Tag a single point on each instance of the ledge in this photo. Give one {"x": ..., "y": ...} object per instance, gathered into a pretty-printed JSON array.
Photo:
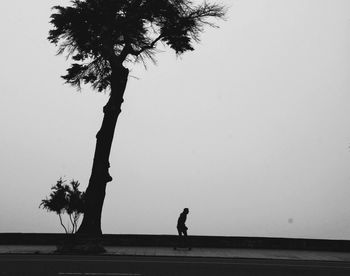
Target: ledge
[{"x": 196, "y": 241}]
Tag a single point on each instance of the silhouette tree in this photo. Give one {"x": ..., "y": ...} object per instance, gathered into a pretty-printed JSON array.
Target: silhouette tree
[
  {"x": 65, "y": 198},
  {"x": 101, "y": 35}
]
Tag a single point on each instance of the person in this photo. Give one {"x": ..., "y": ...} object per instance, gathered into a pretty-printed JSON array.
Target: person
[{"x": 182, "y": 228}]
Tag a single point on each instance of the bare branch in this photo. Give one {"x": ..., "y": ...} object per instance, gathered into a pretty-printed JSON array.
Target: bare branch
[
  {"x": 71, "y": 220},
  {"x": 65, "y": 229}
]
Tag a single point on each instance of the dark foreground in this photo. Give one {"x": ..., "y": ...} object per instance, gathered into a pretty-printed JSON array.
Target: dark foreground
[{"x": 67, "y": 265}]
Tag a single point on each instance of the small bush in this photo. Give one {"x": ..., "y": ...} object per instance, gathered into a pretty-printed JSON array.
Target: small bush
[{"x": 65, "y": 199}]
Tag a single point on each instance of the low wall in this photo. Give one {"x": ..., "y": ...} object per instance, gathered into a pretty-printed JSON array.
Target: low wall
[{"x": 196, "y": 241}]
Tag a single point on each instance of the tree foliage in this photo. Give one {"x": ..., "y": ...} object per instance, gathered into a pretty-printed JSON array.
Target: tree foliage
[
  {"x": 97, "y": 34},
  {"x": 65, "y": 198}
]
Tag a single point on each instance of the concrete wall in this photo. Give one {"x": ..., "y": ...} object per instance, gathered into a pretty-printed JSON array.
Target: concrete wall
[{"x": 196, "y": 241}]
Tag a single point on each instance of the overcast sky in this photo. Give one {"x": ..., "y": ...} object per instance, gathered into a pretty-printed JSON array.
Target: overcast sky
[{"x": 251, "y": 131}]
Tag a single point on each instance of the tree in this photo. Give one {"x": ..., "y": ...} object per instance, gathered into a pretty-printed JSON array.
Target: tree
[
  {"x": 65, "y": 198},
  {"x": 100, "y": 36}
]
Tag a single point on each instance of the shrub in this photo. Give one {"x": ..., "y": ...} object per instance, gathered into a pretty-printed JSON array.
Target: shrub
[{"x": 65, "y": 199}]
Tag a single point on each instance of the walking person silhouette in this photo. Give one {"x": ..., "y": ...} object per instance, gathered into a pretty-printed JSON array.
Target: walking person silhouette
[{"x": 182, "y": 229}]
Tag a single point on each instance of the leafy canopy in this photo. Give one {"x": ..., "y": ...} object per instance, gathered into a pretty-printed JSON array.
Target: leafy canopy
[{"x": 101, "y": 34}]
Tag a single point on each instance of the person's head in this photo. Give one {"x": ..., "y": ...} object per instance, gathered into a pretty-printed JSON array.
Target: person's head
[{"x": 186, "y": 211}]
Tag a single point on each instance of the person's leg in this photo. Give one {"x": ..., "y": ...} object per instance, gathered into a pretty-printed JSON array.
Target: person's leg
[
  {"x": 178, "y": 243},
  {"x": 179, "y": 231},
  {"x": 185, "y": 238}
]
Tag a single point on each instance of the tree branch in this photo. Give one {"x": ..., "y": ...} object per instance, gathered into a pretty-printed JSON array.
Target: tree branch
[
  {"x": 59, "y": 215},
  {"x": 146, "y": 47},
  {"x": 76, "y": 218},
  {"x": 71, "y": 221}
]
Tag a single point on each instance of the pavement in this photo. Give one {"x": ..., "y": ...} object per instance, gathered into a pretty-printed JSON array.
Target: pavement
[{"x": 232, "y": 253}]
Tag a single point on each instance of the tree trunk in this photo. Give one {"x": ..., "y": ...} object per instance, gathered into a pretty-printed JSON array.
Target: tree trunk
[{"x": 95, "y": 192}]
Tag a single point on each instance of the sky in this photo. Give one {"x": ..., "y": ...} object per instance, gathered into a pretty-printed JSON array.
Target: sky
[{"x": 251, "y": 131}]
